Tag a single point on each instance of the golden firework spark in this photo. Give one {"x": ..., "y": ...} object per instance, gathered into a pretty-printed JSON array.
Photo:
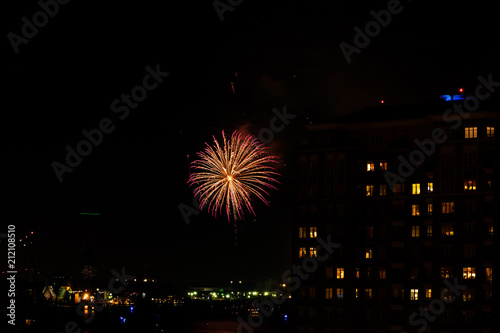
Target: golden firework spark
[{"x": 227, "y": 175}]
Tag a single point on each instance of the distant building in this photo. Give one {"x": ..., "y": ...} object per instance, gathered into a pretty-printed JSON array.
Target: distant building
[{"x": 400, "y": 240}]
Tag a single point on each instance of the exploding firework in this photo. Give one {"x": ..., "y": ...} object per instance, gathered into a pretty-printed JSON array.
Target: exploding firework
[{"x": 226, "y": 176}]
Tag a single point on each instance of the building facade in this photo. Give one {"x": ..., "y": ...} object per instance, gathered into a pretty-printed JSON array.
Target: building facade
[{"x": 411, "y": 194}]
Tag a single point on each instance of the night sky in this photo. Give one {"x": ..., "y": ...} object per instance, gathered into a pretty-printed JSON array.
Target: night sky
[{"x": 66, "y": 77}]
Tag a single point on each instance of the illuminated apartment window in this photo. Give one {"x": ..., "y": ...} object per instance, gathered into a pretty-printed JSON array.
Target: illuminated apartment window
[
  {"x": 415, "y": 188},
  {"x": 357, "y": 273},
  {"x": 329, "y": 272},
  {"x": 369, "y": 190},
  {"x": 383, "y": 165},
  {"x": 469, "y": 273},
  {"x": 413, "y": 294},
  {"x": 489, "y": 274},
  {"x": 312, "y": 252},
  {"x": 446, "y": 272},
  {"x": 302, "y": 232},
  {"x": 447, "y": 294},
  {"x": 313, "y": 232},
  {"x": 415, "y": 231},
  {"x": 428, "y": 293},
  {"x": 369, "y": 253},
  {"x": 490, "y": 132},
  {"x": 447, "y": 230},
  {"x": 467, "y": 295},
  {"x": 369, "y": 232},
  {"x": 415, "y": 210},
  {"x": 356, "y": 293},
  {"x": 470, "y": 185},
  {"x": 471, "y": 132},
  {"x": 447, "y": 207},
  {"x": 329, "y": 293},
  {"x": 368, "y": 293},
  {"x": 382, "y": 273},
  {"x": 302, "y": 252},
  {"x": 430, "y": 187},
  {"x": 340, "y": 273},
  {"x": 383, "y": 190},
  {"x": 370, "y": 166},
  {"x": 340, "y": 293},
  {"x": 429, "y": 209}
]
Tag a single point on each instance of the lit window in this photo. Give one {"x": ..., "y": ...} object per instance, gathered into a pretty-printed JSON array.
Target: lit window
[
  {"x": 381, "y": 273},
  {"x": 413, "y": 294},
  {"x": 429, "y": 231},
  {"x": 313, "y": 232},
  {"x": 383, "y": 190},
  {"x": 471, "y": 132},
  {"x": 490, "y": 231},
  {"x": 302, "y": 252},
  {"x": 447, "y": 207},
  {"x": 369, "y": 253},
  {"x": 340, "y": 273},
  {"x": 370, "y": 166},
  {"x": 368, "y": 293},
  {"x": 415, "y": 210},
  {"x": 357, "y": 273},
  {"x": 415, "y": 188},
  {"x": 383, "y": 165},
  {"x": 446, "y": 272},
  {"x": 302, "y": 232},
  {"x": 429, "y": 209},
  {"x": 369, "y": 190},
  {"x": 312, "y": 252},
  {"x": 470, "y": 185},
  {"x": 340, "y": 293},
  {"x": 430, "y": 187},
  {"x": 467, "y": 295},
  {"x": 469, "y": 273},
  {"x": 489, "y": 274},
  {"x": 428, "y": 293},
  {"x": 490, "y": 132},
  {"x": 329, "y": 293},
  {"x": 329, "y": 272},
  {"x": 447, "y": 230},
  {"x": 356, "y": 292},
  {"x": 415, "y": 231}
]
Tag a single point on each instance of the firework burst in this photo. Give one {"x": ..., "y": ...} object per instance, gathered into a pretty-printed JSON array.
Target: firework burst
[{"x": 227, "y": 175}]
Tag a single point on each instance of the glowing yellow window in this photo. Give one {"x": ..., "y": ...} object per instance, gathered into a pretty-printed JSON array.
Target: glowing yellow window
[
  {"x": 415, "y": 188},
  {"x": 302, "y": 252},
  {"x": 415, "y": 210},
  {"x": 369, "y": 253},
  {"x": 313, "y": 232},
  {"x": 471, "y": 132},
  {"x": 430, "y": 187},
  {"x": 340, "y": 293},
  {"x": 413, "y": 294},
  {"x": 428, "y": 293},
  {"x": 312, "y": 252},
  {"x": 489, "y": 274},
  {"x": 340, "y": 273},
  {"x": 447, "y": 207},
  {"x": 469, "y": 273},
  {"x": 370, "y": 166},
  {"x": 415, "y": 231},
  {"x": 470, "y": 185},
  {"x": 302, "y": 232},
  {"x": 490, "y": 132},
  {"x": 369, "y": 190},
  {"x": 383, "y": 165}
]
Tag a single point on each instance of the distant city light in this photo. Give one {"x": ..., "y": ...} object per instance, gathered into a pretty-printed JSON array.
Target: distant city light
[
  {"x": 461, "y": 90},
  {"x": 382, "y": 101}
]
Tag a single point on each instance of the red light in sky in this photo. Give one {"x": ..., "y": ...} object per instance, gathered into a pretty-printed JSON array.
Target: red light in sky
[
  {"x": 461, "y": 90},
  {"x": 382, "y": 101}
]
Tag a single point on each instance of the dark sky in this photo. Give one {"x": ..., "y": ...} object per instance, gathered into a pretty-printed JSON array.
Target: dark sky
[{"x": 66, "y": 77}]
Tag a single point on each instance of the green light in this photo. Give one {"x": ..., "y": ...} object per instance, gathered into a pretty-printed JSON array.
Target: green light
[{"x": 90, "y": 214}]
